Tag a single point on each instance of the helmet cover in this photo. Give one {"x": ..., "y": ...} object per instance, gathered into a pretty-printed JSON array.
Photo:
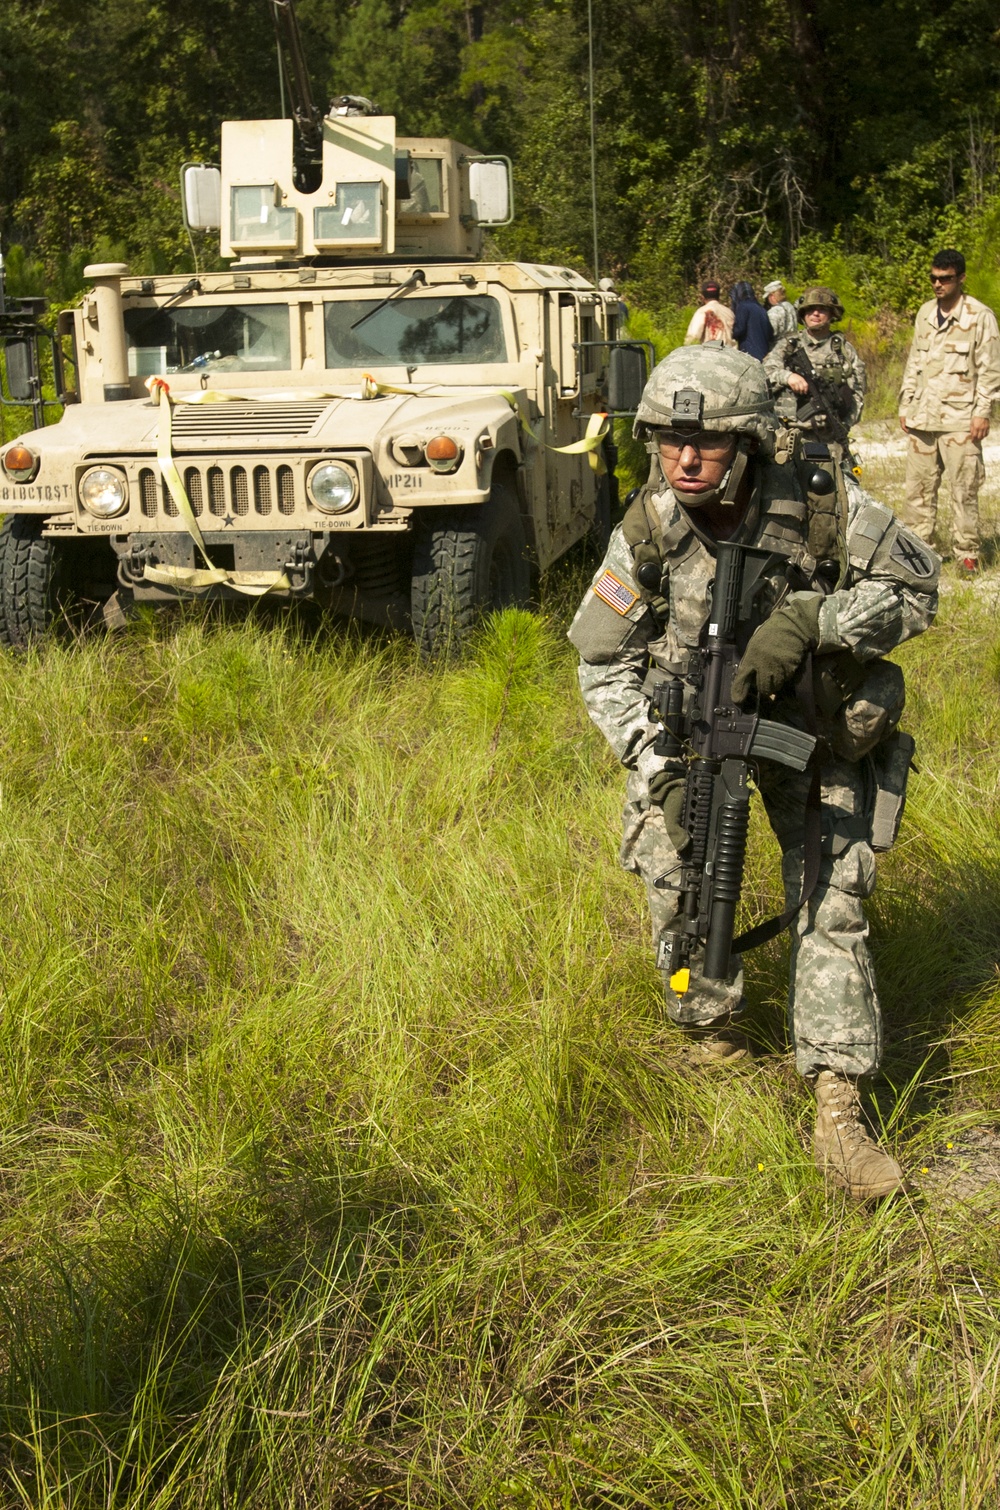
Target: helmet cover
[
  {"x": 707, "y": 387},
  {"x": 819, "y": 298}
]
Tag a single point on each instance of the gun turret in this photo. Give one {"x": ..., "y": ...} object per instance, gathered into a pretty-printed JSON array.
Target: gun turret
[{"x": 306, "y": 114}]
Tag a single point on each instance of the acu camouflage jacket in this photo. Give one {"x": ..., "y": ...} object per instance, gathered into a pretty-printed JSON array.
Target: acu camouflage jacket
[
  {"x": 888, "y": 595},
  {"x": 832, "y": 357}
]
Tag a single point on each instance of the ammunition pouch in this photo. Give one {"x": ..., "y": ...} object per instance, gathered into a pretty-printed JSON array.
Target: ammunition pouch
[
  {"x": 858, "y": 705},
  {"x": 644, "y": 538},
  {"x": 890, "y": 763},
  {"x": 822, "y": 480}
]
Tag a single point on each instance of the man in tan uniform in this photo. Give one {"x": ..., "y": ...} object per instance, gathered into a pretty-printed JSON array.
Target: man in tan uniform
[{"x": 951, "y": 381}]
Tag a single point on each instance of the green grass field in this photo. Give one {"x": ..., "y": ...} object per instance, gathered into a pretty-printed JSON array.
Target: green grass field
[{"x": 346, "y": 1160}]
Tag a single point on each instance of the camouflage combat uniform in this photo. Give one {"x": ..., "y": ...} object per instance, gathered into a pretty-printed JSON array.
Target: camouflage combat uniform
[
  {"x": 952, "y": 377},
  {"x": 624, "y": 637},
  {"x": 834, "y": 359}
]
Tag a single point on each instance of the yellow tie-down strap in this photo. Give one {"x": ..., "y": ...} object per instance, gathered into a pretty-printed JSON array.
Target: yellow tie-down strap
[
  {"x": 256, "y": 583},
  {"x": 253, "y": 583},
  {"x": 598, "y": 426},
  {"x": 369, "y": 388}
]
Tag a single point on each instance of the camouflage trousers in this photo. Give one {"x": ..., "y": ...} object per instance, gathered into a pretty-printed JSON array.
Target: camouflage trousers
[
  {"x": 833, "y": 1006},
  {"x": 930, "y": 453}
]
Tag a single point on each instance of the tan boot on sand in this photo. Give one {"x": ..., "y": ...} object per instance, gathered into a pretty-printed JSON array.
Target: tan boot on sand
[
  {"x": 713, "y": 1047},
  {"x": 846, "y": 1152}
]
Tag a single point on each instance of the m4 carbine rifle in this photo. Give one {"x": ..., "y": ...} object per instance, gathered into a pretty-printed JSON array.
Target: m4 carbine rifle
[
  {"x": 720, "y": 742},
  {"x": 827, "y": 403}
]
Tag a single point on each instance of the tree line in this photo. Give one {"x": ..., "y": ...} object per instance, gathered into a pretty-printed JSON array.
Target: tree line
[{"x": 732, "y": 136}]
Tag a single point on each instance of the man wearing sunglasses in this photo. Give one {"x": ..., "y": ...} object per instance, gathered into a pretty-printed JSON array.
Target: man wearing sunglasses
[
  {"x": 951, "y": 381},
  {"x": 721, "y": 469}
]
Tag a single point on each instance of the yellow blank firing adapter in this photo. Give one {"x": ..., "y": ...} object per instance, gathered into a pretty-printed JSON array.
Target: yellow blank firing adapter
[{"x": 680, "y": 981}]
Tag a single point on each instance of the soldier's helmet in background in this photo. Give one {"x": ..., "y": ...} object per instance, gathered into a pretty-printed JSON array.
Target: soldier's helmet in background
[
  {"x": 819, "y": 298},
  {"x": 708, "y": 387}
]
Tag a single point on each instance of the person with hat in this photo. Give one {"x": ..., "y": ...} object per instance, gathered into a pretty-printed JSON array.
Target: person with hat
[
  {"x": 710, "y": 430},
  {"x": 780, "y": 310},
  {"x": 951, "y": 382},
  {"x": 712, "y": 321},
  {"x": 816, "y": 376}
]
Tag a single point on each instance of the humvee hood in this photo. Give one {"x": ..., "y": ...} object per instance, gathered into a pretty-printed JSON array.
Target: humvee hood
[{"x": 297, "y": 421}]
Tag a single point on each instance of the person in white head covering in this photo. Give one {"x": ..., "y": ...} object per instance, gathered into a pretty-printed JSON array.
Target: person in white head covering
[{"x": 780, "y": 312}]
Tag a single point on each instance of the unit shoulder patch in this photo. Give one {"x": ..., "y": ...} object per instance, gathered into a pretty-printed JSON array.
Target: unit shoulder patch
[
  {"x": 911, "y": 556},
  {"x": 616, "y": 593}
]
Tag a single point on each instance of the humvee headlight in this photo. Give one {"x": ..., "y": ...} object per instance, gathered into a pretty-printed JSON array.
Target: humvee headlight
[
  {"x": 443, "y": 453},
  {"x": 103, "y": 492},
  {"x": 332, "y": 487},
  {"x": 19, "y": 463}
]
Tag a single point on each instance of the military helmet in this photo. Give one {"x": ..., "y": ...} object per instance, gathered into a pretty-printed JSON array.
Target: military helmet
[
  {"x": 707, "y": 388},
  {"x": 819, "y": 298}
]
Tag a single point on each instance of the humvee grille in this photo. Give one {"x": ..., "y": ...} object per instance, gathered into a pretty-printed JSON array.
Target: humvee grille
[
  {"x": 192, "y": 482},
  {"x": 147, "y": 492},
  {"x": 223, "y": 492},
  {"x": 216, "y": 491},
  {"x": 151, "y": 484},
  {"x": 241, "y": 492},
  {"x": 259, "y": 421},
  {"x": 286, "y": 490},
  {"x": 261, "y": 490}
]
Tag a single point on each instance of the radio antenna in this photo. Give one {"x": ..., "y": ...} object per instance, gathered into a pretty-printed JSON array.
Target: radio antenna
[{"x": 593, "y": 143}]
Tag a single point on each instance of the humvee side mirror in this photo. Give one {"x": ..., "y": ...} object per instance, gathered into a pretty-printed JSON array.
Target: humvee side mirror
[
  {"x": 201, "y": 196},
  {"x": 19, "y": 370},
  {"x": 492, "y": 202},
  {"x": 626, "y": 377}
]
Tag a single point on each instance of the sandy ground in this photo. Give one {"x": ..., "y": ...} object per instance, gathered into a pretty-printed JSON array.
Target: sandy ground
[{"x": 881, "y": 451}]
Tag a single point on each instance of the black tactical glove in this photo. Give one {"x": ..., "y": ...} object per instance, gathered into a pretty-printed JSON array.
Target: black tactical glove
[
  {"x": 666, "y": 790},
  {"x": 777, "y": 649}
]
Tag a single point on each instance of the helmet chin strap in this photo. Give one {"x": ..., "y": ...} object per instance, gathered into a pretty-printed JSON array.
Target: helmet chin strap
[{"x": 730, "y": 484}]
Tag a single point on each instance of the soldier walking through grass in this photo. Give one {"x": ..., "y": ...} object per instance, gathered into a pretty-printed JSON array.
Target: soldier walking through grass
[
  {"x": 721, "y": 470},
  {"x": 951, "y": 381}
]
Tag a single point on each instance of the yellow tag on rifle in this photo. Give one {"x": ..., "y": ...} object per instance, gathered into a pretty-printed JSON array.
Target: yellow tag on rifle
[{"x": 680, "y": 981}]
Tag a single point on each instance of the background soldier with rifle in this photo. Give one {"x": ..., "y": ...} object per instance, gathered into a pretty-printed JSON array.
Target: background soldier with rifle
[
  {"x": 736, "y": 628},
  {"x": 816, "y": 376}
]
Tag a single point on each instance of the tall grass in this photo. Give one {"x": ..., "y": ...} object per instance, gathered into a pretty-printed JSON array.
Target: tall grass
[{"x": 346, "y": 1157}]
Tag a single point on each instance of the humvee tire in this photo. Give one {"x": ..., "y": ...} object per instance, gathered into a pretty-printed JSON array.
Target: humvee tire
[
  {"x": 467, "y": 562},
  {"x": 42, "y": 580}
]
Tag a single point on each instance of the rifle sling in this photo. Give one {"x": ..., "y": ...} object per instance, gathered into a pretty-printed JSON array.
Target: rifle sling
[{"x": 813, "y": 837}]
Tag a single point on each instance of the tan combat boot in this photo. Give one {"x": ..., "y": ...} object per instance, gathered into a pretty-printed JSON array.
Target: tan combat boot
[
  {"x": 845, "y": 1150},
  {"x": 713, "y": 1046}
]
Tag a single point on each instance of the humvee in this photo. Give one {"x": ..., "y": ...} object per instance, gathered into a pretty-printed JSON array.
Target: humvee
[{"x": 359, "y": 411}]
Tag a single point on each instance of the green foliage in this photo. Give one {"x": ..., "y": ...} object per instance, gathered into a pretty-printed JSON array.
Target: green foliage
[{"x": 714, "y": 125}]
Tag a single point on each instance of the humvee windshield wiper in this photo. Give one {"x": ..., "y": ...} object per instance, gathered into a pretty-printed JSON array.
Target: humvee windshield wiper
[
  {"x": 192, "y": 286},
  {"x": 411, "y": 282}
]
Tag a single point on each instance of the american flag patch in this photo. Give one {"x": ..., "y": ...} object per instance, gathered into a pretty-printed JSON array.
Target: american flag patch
[{"x": 611, "y": 590}]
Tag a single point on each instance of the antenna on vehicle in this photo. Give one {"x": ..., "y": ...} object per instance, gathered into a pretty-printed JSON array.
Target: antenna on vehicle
[
  {"x": 593, "y": 147},
  {"x": 281, "y": 71}
]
